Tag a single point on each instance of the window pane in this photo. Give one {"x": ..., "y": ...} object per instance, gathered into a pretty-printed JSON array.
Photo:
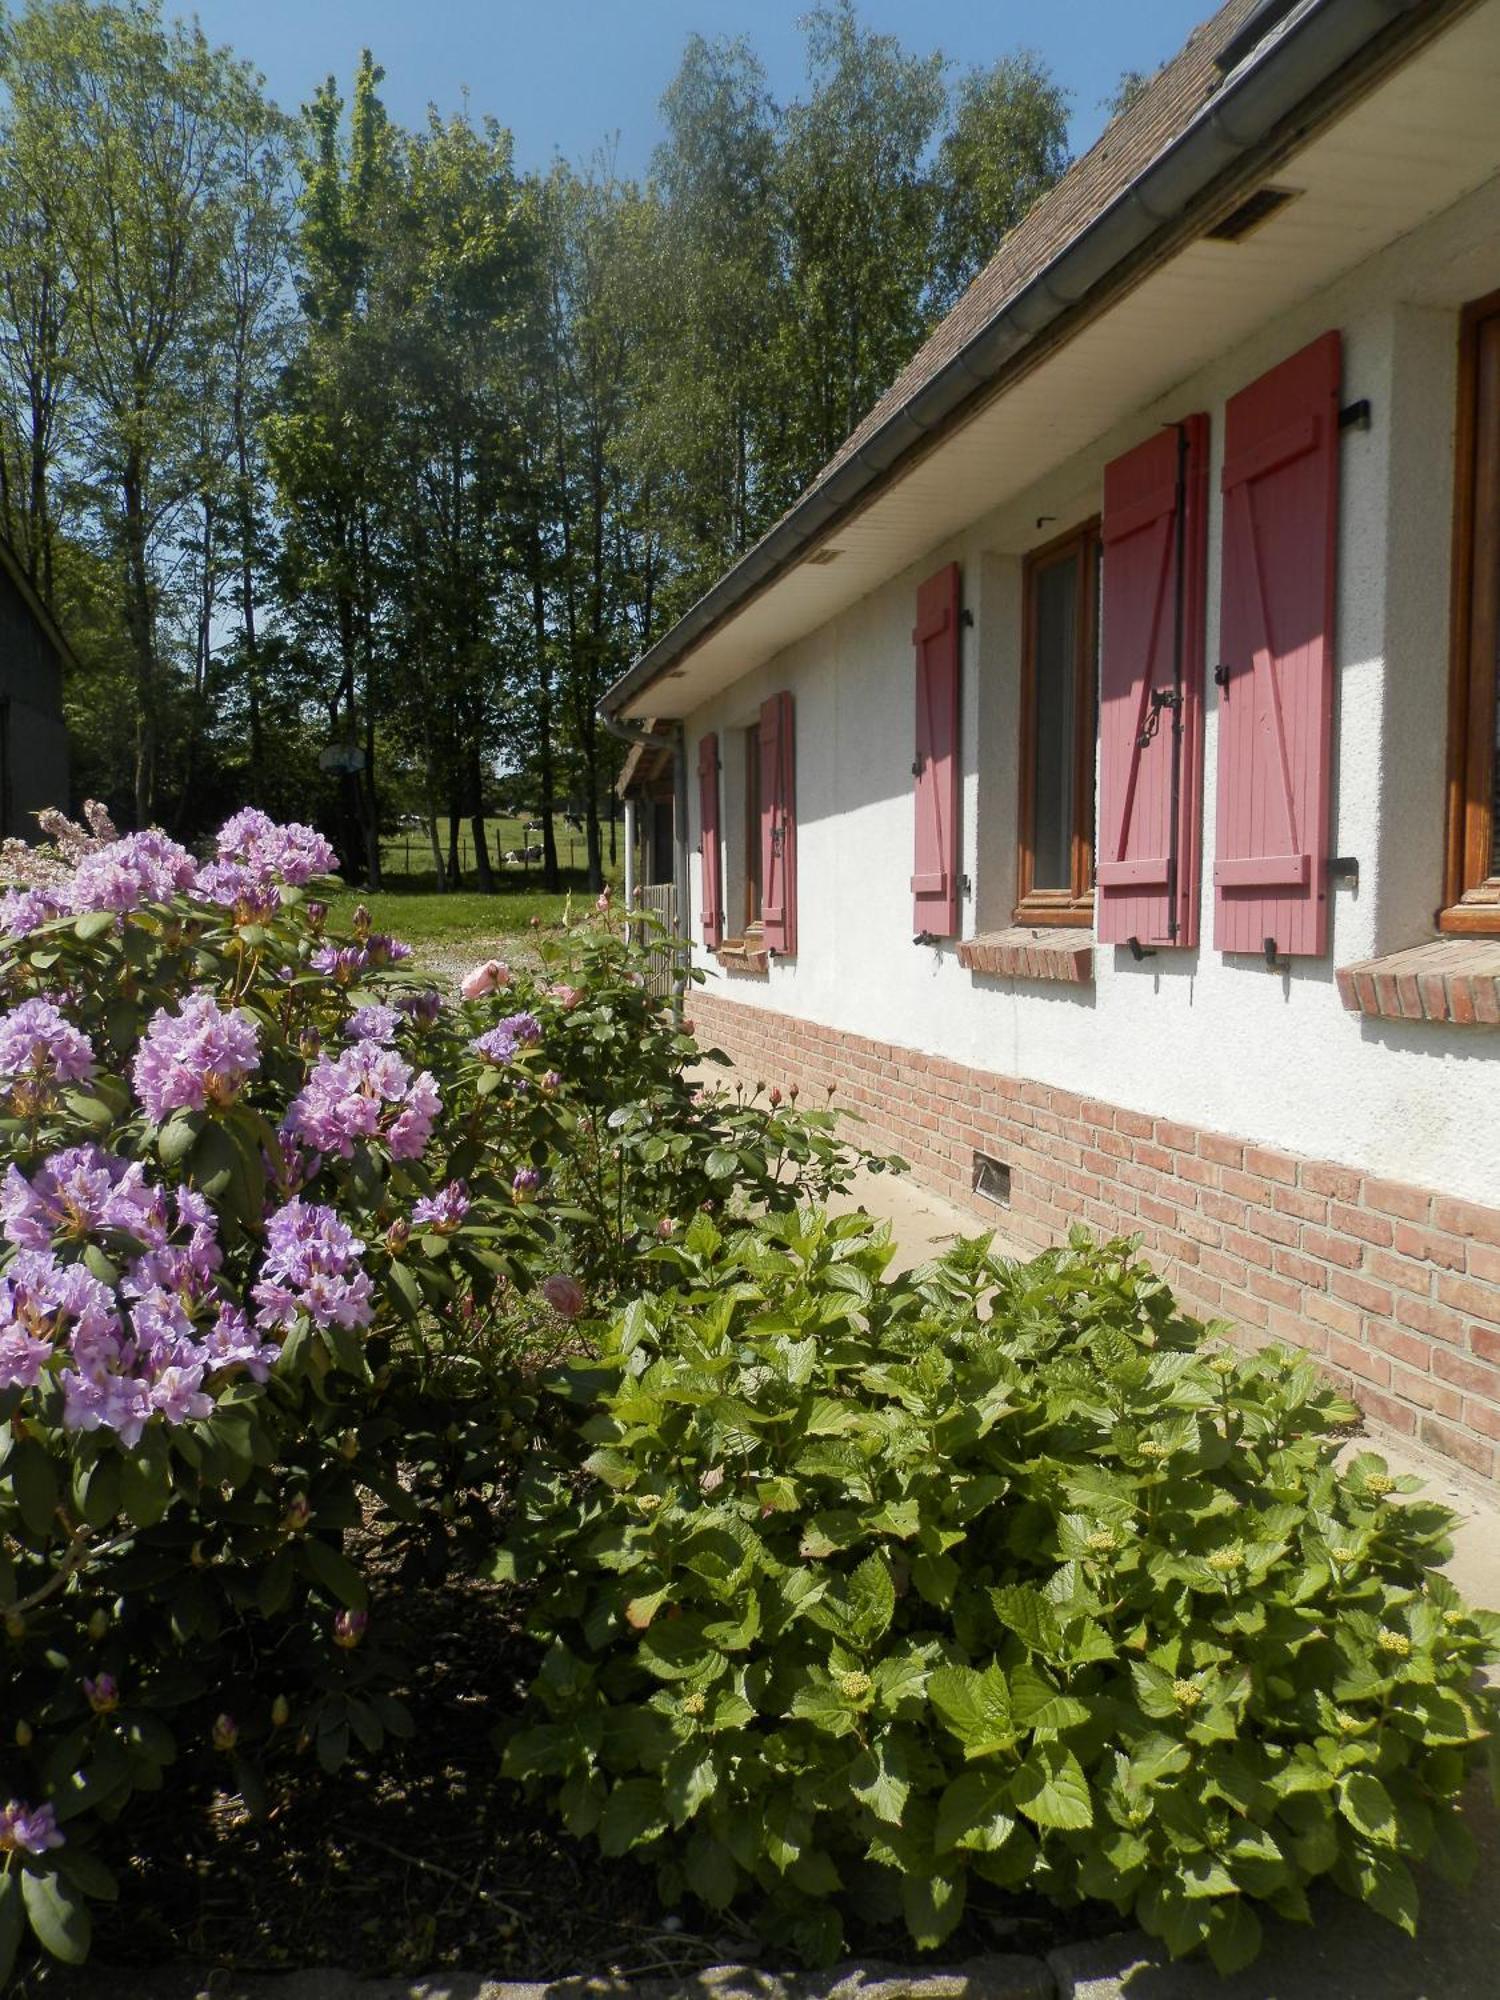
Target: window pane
[
  {"x": 1056, "y": 667},
  {"x": 752, "y": 828}
]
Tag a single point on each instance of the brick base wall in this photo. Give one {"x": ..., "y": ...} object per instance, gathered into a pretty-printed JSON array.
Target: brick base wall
[{"x": 1395, "y": 1288}]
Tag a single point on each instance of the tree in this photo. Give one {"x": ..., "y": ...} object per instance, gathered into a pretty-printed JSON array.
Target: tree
[
  {"x": 123, "y": 131},
  {"x": 1007, "y": 144},
  {"x": 858, "y": 210}
]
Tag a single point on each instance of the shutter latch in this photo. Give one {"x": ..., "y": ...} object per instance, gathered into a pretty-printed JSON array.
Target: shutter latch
[
  {"x": 1221, "y": 674},
  {"x": 1160, "y": 698}
]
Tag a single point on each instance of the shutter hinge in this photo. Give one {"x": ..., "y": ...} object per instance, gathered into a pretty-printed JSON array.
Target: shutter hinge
[
  {"x": 1138, "y": 951},
  {"x": 1221, "y": 674},
  {"x": 965, "y": 886},
  {"x": 916, "y": 767},
  {"x": 1355, "y": 416},
  {"x": 926, "y": 937},
  {"x": 966, "y": 616},
  {"x": 1274, "y": 963},
  {"x": 1344, "y": 868}
]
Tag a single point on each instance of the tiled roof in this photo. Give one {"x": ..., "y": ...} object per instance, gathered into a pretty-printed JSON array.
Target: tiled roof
[{"x": 1127, "y": 146}]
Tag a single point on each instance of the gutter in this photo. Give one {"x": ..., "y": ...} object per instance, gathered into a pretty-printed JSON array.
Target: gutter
[{"x": 1318, "y": 43}]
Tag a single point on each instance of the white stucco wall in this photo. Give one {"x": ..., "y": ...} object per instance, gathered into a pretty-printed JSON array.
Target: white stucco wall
[{"x": 1215, "y": 1042}]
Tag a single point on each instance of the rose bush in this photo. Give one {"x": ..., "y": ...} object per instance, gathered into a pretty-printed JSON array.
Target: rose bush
[{"x": 282, "y": 1235}]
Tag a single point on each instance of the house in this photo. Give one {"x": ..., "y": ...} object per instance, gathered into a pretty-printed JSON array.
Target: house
[
  {"x": 33, "y": 736},
  {"x": 1094, "y": 776}
]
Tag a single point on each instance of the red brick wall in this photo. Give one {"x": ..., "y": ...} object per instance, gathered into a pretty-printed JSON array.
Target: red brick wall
[{"x": 1396, "y": 1288}]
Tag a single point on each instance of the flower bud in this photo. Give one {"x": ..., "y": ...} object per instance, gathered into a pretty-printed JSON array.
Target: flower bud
[
  {"x": 309, "y": 1042},
  {"x": 98, "y": 1623},
  {"x": 15, "y": 1625},
  {"x": 361, "y": 921},
  {"x": 294, "y": 1521},
  {"x": 349, "y": 1628},
  {"x": 775, "y": 1096},
  {"x": 25, "y": 1735},
  {"x": 398, "y": 1236},
  {"x": 103, "y": 1693},
  {"x": 349, "y": 1447},
  {"x": 226, "y": 1733},
  {"x": 317, "y": 914},
  {"x": 281, "y": 1712}
]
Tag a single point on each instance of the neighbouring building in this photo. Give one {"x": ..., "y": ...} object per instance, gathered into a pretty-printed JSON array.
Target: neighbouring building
[
  {"x": 1095, "y": 775},
  {"x": 33, "y": 736}
]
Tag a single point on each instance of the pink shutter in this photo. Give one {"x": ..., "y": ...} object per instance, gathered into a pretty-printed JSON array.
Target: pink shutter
[
  {"x": 1281, "y": 473},
  {"x": 708, "y": 826},
  {"x": 1151, "y": 689},
  {"x": 934, "y": 882},
  {"x": 778, "y": 825}
]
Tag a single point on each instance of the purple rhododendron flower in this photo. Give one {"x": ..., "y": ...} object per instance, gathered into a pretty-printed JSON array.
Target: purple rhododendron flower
[
  {"x": 525, "y": 1181},
  {"x": 139, "y": 868},
  {"x": 346, "y": 964},
  {"x": 367, "y": 1092},
  {"x": 499, "y": 1044},
  {"x": 24, "y": 910},
  {"x": 80, "y": 1192},
  {"x": 442, "y": 1211},
  {"x": 31, "y": 1829},
  {"x": 292, "y": 854},
  {"x": 421, "y": 1008},
  {"x": 200, "y": 1053},
  {"x": 240, "y": 889},
  {"x": 375, "y": 1023},
  {"x": 37, "y": 1043},
  {"x": 386, "y": 950},
  {"x": 312, "y": 1266}
]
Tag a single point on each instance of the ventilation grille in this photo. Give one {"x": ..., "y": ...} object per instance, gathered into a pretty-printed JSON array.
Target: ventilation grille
[
  {"x": 992, "y": 1180},
  {"x": 821, "y": 558},
  {"x": 1251, "y": 213}
]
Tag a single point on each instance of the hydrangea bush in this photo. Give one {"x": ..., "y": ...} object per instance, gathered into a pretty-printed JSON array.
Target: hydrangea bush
[
  {"x": 280, "y": 1229},
  {"x": 874, "y": 1588}
]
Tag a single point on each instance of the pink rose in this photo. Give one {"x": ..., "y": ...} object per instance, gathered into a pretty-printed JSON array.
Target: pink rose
[
  {"x": 564, "y": 1295},
  {"x": 484, "y": 979},
  {"x": 567, "y": 997}
]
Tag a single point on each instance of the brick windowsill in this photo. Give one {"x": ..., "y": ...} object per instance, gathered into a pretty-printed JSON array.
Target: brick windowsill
[
  {"x": 1025, "y": 952},
  {"x": 1452, "y": 979},
  {"x": 738, "y": 955}
]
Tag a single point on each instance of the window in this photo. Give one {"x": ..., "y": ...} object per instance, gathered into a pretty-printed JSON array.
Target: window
[
  {"x": 1472, "y": 888},
  {"x": 753, "y": 895},
  {"x": 1059, "y": 671}
]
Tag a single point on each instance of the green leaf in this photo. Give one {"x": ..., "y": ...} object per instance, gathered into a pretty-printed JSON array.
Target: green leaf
[
  {"x": 59, "y": 1916},
  {"x": 1234, "y": 1936},
  {"x": 334, "y": 1573},
  {"x": 974, "y": 1706},
  {"x": 1038, "y": 1704},
  {"x": 971, "y": 1812},
  {"x": 933, "y": 1905},
  {"x": 1367, "y": 1805},
  {"x": 689, "y": 1780},
  {"x": 1051, "y": 1790},
  {"x": 12, "y": 1923},
  {"x": 178, "y": 1137},
  {"x": 880, "y": 1777},
  {"x": 710, "y": 1871},
  {"x": 31, "y": 1474},
  {"x": 872, "y": 1599},
  {"x": 633, "y": 1814},
  {"x": 1386, "y": 1885},
  {"x": 1030, "y": 1617}
]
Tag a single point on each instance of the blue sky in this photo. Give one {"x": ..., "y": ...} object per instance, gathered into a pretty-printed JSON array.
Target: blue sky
[{"x": 567, "y": 75}]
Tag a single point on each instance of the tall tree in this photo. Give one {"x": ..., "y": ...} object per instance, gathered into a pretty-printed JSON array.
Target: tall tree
[
  {"x": 858, "y": 210},
  {"x": 124, "y": 130},
  {"x": 1006, "y": 145}
]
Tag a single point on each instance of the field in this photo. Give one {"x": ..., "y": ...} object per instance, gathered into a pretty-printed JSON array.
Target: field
[{"x": 448, "y": 932}]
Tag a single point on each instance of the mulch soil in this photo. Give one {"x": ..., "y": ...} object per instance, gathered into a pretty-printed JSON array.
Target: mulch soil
[{"x": 423, "y": 1860}]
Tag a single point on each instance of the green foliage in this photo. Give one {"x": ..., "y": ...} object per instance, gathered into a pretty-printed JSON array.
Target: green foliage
[{"x": 870, "y": 1587}]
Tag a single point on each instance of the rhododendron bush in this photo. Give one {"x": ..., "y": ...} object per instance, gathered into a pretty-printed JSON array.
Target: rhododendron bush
[{"x": 282, "y": 1232}]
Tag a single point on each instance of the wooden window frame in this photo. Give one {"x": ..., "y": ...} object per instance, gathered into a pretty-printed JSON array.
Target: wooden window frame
[
  {"x": 1073, "y": 906},
  {"x": 754, "y": 887},
  {"x": 1471, "y": 897}
]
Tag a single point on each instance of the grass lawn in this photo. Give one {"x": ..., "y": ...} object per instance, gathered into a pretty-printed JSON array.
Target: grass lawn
[
  {"x": 408, "y": 853},
  {"x": 450, "y": 932}
]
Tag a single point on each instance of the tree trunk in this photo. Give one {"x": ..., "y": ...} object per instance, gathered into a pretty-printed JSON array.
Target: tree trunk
[
  {"x": 546, "y": 774},
  {"x": 482, "y": 868},
  {"x": 139, "y": 621},
  {"x": 455, "y": 825}
]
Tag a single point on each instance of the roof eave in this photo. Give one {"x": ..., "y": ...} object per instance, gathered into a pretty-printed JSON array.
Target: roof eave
[{"x": 1327, "y": 40}]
